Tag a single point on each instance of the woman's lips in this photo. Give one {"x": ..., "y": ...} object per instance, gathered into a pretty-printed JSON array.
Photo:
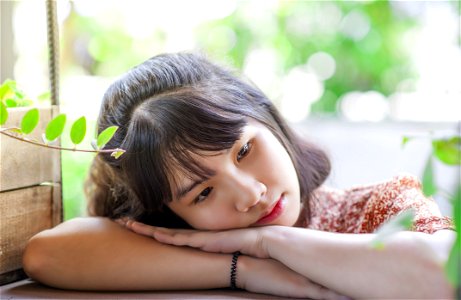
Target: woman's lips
[{"x": 274, "y": 213}]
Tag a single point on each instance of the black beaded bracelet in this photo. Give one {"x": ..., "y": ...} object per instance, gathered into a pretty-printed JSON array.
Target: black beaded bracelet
[{"x": 233, "y": 274}]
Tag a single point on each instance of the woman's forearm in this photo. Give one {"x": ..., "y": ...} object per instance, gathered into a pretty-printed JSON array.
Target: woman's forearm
[
  {"x": 347, "y": 263},
  {"x": 98, "y": 254}
]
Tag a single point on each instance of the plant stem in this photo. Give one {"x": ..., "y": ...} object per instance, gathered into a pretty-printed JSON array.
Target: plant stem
[{"x": 4, "y": 131}]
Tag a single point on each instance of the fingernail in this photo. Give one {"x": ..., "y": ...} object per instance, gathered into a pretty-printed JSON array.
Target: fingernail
[{"x": 120, "y": 222}]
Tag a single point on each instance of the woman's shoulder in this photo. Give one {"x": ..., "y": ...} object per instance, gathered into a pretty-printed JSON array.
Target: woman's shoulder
[
  {"x": 401, "y": 180},
  {"x": 387, "y": 188},
  {"x": 397, "y": 183},
  {"x": 363, "y": 208}
]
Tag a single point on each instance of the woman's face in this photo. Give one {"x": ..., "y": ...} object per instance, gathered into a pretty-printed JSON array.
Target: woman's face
[{"x": 254, "y": 184}]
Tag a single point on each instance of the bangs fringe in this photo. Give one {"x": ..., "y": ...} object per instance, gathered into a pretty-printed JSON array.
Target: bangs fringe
[{"x": 170, "y": 132}]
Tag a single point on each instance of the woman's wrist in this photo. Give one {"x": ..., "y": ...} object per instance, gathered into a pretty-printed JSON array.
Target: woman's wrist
[
  {"x": 233, "y": 270},
  {"x": 248, "y": 268},
  {"x": 243, "y": 264},
  {"x": 273, "y": 238}
]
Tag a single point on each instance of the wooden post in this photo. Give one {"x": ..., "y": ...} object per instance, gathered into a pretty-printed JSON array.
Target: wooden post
[{"x": 30, "y": 192}]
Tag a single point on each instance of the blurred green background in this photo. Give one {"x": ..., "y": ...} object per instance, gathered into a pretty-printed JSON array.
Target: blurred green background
[{"x": 367, "y": 61}]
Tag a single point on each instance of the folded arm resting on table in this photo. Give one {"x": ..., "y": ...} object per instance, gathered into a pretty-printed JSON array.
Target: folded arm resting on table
[
  {"x": 409, "y": 266},
  {"x": 99, "y": 254}
]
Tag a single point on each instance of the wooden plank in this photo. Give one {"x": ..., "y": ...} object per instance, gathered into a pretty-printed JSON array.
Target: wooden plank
[
  {"x": 23, "y": 164},
  {"x": 57, "y": 212},
  {"x": 29, "y": 289},
  {"x": 12, "y": 276},
  {"x": 24, "y": 213}
]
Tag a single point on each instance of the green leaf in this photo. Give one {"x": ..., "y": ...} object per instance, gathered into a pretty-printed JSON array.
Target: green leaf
[
  {"x": 78, "y": 131},
  {"x": 30, "y": 121},
  {"x": 25, "y": 102},
  {"x": 7, "y": 89},
  {"x": 456, "y": 204},
  {"x": 448, "y": 150},
  {"x": 44, "y": 96},
  {"x": 11, "y": 102},
  {"x": 19, "y": 94},
  {"x": 405, "y": 140},
  {"x": 429, "y": 187},
  {"x": 117, "y": 153},
  {"x": 3, "y": 113},
  {"x": 453, "y": 264},
  {"x": 55, "y": 127},
  {"x": 16, "y": 130},
  {"x": 401, "y": 222},
  {"x": 3, "y": 90},
  {"x": 105, "y": 136}
]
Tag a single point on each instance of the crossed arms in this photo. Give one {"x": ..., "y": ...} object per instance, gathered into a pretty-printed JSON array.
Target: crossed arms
[{"x": 99, "y": 254}]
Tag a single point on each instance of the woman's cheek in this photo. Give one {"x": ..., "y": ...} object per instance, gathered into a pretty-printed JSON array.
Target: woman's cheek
[
  {"x": 203, "y": 218},
  {"x": 215, "y": 219}
]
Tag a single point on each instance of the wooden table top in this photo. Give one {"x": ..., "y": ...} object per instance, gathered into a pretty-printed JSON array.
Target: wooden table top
[{"x": 29, "y": 289}]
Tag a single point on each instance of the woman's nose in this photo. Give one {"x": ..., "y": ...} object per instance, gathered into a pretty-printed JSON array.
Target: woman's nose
[{"x": 250, "y": 192}]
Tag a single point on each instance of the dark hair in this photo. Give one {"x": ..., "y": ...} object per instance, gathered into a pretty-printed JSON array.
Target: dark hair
[{"x": 171, "y": 107}]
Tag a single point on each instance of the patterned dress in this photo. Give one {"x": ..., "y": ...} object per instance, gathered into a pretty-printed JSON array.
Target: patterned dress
[{"x": 362, "y": 209}]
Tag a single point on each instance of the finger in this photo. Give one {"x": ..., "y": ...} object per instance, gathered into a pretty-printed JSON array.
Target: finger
[
  {"x": 140, "y": 228},
  {"x": 178, "y": 238},
  {"x": 120, "y": 222},
  {"x": 167, "y": 238},
  {"x": 207, "y": 241}
]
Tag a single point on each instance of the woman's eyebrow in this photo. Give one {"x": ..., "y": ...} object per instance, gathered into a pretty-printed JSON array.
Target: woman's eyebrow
[{"x": 181, "y": 191}]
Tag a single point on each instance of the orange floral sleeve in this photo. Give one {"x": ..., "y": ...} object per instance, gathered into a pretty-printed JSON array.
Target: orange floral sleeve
[{"x": 362, "y": 209}]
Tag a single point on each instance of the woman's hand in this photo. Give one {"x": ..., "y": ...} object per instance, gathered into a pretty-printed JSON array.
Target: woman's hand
[
  {"x": 269, "y": 276},
  {"x": 249, "y": 241},
  {"x": 256, "y": 272}
]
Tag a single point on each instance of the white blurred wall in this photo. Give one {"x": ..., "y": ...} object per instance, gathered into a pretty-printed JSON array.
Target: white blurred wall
[{"x": 364, "y": 153}]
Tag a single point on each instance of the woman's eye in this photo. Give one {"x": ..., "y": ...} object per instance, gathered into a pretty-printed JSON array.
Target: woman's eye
[
  {"x": 243, "y": 151},
  {"x": 203, "y": 195}
]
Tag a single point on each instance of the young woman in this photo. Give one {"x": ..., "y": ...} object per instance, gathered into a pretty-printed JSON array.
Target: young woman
[{"x": 209, "y": 157}]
